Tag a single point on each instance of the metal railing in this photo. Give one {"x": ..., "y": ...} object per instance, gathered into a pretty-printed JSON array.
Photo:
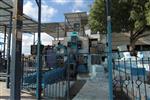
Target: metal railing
[
  {"x": 131, "y": 78},
  {"x": 55, "y": 83},
  {"x": 58, "y": 79},
  {"x": 29, "y": 69}
]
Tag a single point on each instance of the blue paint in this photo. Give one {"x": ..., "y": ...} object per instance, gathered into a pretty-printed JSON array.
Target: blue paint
[
  {"x": 48, "y": 77},
  {"x": 109, "y": 35},
  {"x": 52, "y": 76},
  {"x": 110, "y": 59},
  {"x": 1, "y": 43},
  {"x": 138, "y": 71},
  {"x": 82, "y": 69}
]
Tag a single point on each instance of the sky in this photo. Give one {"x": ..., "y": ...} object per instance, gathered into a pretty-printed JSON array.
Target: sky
[{"x": 52, "y": 11}]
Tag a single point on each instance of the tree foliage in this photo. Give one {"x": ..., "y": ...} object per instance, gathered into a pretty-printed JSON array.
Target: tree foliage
[
  {"x": 131, "y": 16},
  {"x": 97, "y": 16}
]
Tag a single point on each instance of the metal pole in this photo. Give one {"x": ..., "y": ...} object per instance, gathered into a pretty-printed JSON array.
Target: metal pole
[
  {"x": 8, "y": 50},
  {"x": 58, "y": 32},
  {"x": 68, "y": 76},
  {"x": 16, "y": 50},
  {"x": 39, "y": 87},
  {"x": 34, "y": 39},
  {"x": 65, "y": 28},
  {"x": 5, "y": 30},
  {"x": 109, "y": 33}
]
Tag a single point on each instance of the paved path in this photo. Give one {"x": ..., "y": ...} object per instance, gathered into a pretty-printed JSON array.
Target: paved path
[
  {"x": 95, "y": 88},
  {"x": 5, "y": 93}
]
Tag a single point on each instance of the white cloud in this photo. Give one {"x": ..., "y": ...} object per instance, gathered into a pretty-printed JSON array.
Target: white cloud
[
  {"x": 79, "y": 3},
  {"x": 88, "y": 13},
  {"x": 31, "y": 10},
  {"x": 27, "y": 41},
  {"x": 60, "y": 1},
  {"x": 47, "y": 13},
  {"x": 46, "y": 39},
  {"x": 76, "y": 10},
  {"x": 43, "y": 2}
]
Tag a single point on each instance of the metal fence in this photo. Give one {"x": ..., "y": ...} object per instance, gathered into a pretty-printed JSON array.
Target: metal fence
[
  {"x": 58, "y": 76},
  {"x": 55, "y": 82},
  {"x": 29, "y": 69},
  {"x": 131, "y": 78}
]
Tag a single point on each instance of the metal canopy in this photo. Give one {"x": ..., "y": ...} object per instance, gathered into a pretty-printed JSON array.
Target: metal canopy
[
  {"x": 57, "y": 29},
  {"x": 6, "y": 8}
]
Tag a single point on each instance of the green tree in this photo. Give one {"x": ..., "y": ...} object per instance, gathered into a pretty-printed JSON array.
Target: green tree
[{"x": 132, "y": 16}]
